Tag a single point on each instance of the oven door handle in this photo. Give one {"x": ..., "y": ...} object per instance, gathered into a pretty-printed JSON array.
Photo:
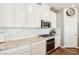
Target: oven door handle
[{"x": 50, "y": 42}]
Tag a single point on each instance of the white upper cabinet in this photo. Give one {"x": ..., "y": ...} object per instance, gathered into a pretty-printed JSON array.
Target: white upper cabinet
[
  {"x": 13, "y": 15},
  {"x": 37, "y": 16},
  {"x": 31, "y": 15},
  {"x": 2, "y": 15},
  {"x": 7, "y": 15},
  {"x": 45, "y": 10},
  {"x": 53, "y": 19},
  {"x": 21, "y": 17},
  {"x": 34, "y": 15},
  {"x": 25, "y": 15},
  {"x": 48, "y": 15}
]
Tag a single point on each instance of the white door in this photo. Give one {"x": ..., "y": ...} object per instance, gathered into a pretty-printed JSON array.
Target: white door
[{"x": 70, "y": 30}]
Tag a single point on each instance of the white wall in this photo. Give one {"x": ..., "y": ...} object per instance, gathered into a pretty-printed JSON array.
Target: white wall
[{"x": 59, "y": 24}]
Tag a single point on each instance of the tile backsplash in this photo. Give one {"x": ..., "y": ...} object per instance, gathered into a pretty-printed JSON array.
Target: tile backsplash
[{"x": 13, "y": 34}]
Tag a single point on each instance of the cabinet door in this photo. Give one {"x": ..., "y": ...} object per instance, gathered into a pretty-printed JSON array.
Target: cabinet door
[
  {"x": 57, "y": 38},
  {"x": 39, "y": 48},
  {"x": 2, "y": 9},
  {"x": 21, "y": 16},
  {"x": 34, "y": 15},
  {"x": 8, "y": 14},
  {"x": 57, "y": 41},
  {"x": 37, "y": 16},
  {"x": 45, "y": 10},
  {"x": 2, "y": 37},
  {"x": 31, "y": 15},
  {"x": 53, "y": 19}
]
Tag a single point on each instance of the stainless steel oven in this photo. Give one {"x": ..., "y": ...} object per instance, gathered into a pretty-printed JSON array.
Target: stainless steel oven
[{"x": 50, "y": 45}]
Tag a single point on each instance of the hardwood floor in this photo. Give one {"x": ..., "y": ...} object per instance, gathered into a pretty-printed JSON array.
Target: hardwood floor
[{"x": 66, "y": 51}]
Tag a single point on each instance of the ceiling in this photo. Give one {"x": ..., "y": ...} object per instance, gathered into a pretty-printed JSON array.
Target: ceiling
[{"x": 63, "y": 5}]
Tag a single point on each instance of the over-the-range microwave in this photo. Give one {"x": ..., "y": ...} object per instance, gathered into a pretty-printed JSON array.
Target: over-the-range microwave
[{"x": 45, "y": 24}]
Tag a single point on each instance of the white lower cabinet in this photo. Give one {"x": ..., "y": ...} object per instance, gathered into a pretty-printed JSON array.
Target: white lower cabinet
[
  {"x": 39, "y": 48},
  {"x": 57, "y": 38},
  {"x": 1, "y": 53},
  {"x": 2, "y": 37},
  {"x": 23, "y": 50},
  {"x": 57, "y": 41}
]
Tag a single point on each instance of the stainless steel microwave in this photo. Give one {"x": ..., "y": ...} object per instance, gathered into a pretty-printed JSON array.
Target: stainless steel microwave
[{"x": 45, "y": 24}]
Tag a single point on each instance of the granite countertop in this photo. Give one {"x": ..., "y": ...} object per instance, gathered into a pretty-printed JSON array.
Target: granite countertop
[{"x": 26, "y": 41}]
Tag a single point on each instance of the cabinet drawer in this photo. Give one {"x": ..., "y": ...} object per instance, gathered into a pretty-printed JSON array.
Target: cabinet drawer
[
  {"x": 22, "y": 52},
  {"x": 1, "y": 53},
  {"x": 17, "y": 50},
  {"x": 39, "y": 48}
]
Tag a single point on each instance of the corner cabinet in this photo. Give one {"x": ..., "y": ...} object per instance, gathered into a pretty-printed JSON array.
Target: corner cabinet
[
  {"x": 39, "y": 48},
  {"x": 34, "y": 15},
  {"x": 57, "y": 38}
]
